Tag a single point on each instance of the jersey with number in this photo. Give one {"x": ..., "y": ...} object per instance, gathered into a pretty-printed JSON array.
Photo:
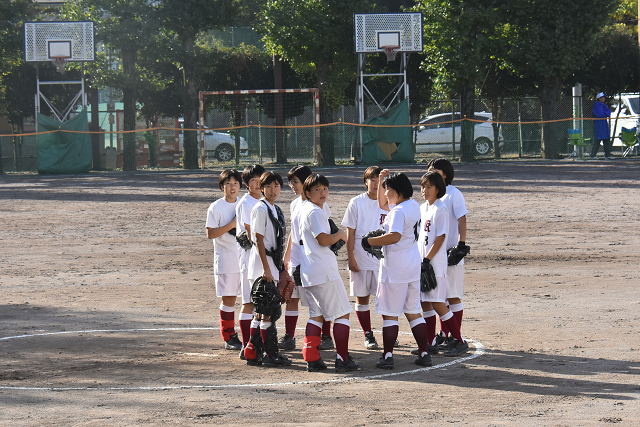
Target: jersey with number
[
  {"x": 243, "y": 216},
  {"x": 261, "y": 224},
  {"x": 294, "y": 209},
  {"x": 225, "y": 248},
  {"x": 454, "y": 201},
  {"x": 363, "y": 215},
  {"x": 318, "y": 264},
  {"x": 434, "y": 223},
  {"x": 401, "y": 262}
]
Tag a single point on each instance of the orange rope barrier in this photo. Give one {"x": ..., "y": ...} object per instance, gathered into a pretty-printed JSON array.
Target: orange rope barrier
[{"x": 296, "y": 127}]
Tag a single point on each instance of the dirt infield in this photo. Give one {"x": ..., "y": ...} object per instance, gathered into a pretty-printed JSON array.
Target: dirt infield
[{"x": 108, "y": 314}]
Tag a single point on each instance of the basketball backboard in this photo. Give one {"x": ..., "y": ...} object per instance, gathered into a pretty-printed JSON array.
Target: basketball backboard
[
  {"x": 49, "y": 39},
  {"x": 375, "y": 30}
]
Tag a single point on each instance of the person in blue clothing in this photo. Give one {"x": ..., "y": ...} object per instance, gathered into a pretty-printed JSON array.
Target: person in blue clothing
[{"x": 601, "y": 128}]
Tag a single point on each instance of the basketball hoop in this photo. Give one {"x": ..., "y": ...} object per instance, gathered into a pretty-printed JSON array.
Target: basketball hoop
[
  {"x": 59, "y": 62},
  {"x": 390, "y": 51}
]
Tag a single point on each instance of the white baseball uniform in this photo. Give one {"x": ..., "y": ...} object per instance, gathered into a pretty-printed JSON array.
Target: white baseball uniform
[
  {"x": 454, "y": 201},
  {"x": 435, "y": 223},
  {"x": 261, "y": 224},
  {"x": 319, "y": 272},
  {"x": 399, "y": 276},
  {"x": 225, "y": 249},
  {"x": 294, "y": 261},
  {"x": 363, "y": 214},
  {"x": 243, "y": 216}
]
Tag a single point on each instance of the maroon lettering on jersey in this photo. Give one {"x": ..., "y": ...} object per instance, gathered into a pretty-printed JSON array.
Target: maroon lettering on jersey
[
  {"x": 427, "y": 225},
  {"x": 382, "y": 217}
]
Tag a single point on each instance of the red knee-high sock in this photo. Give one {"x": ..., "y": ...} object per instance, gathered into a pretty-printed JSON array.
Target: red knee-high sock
[
  {"x": 263, "y": 333},
  {"x": 364, "y": 317},
  {"x": 227, "y": 323},
  {"x": 443, "y": 328},
  {"x": 290, "y": 322},
  {"x": 389, "y": 335},
  {"x": 310, "y": 351},
  {"x": 341, "y": 337},
  {"x": 326, "y": 328},
  {"x": 430, "y": 319},
  {"x": 457, "y": 310},
  {"x": 452, "y": 324},
  {"x": 245, "y": 327},
  {"x": 419, "y": 330}
]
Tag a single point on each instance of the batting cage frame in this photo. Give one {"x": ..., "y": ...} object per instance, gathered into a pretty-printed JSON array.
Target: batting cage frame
[{"x": 254, "y": 116}]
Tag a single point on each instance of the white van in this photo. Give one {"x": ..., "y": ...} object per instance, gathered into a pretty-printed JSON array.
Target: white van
[{"x": 626, "y": 108}]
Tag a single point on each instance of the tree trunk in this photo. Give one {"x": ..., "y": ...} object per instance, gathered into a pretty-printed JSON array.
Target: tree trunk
[
  {"x": 281, "y": 156},
  {"x": 327, "y": 152},
  {"x": 467, "y": 101},
  {"x": 190, "y": 105},
  {"x": 549, "y": 138},
  {"x": 496, "y": 112},
  {"x": 129, "y": 102}
]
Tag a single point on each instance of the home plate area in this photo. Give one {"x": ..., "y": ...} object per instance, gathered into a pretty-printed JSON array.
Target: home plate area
[{"x": 179, "y": 358}]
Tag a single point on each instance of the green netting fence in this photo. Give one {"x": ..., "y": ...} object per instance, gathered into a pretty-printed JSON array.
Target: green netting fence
[{"x": 518, "y": 130}]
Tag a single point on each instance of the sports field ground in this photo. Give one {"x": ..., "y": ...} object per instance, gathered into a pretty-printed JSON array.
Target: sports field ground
[{"x": 108, "y": 313}]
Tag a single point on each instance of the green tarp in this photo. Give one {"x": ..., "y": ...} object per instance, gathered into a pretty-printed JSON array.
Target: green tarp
[
  {"x": 388, "y": 144},
  {"x": 64, "y": 152}
]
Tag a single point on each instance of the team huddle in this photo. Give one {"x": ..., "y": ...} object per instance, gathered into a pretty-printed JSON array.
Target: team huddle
[{"x": 410, "y": 256}]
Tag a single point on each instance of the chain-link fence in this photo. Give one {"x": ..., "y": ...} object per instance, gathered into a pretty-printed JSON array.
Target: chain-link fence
[{"x": 515, "y": 123}]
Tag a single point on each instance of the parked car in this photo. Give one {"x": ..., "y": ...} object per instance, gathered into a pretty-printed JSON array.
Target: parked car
[
  {"x": 627, "y": 112},
  {"x": 436, "y": 132},
  {"x": 221, "y": 145}
]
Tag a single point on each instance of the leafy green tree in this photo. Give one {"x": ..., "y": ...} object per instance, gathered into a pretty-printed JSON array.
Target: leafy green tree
[
  {"x": 317, "y": 36},
  {"x": 460, "y": 38},
  {"x": 13, "y": 13},
  {"x": 550, "y": 40},
  {"x": 125, "y": 27},
  {"x": 183, "y": 21}
]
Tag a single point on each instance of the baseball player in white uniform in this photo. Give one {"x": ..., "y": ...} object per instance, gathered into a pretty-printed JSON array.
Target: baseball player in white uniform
[
  {"x": 363, "y": 215},
  {"x": 221, "y": 220},
  {"x": 325, "y": 292},
  {"x": 456, "y": 236},
  {"x": 399, "y": 274},
  {"x": 251, "y": 177},
  {"x": 296, "y": 176},
  {"x": 431, "y": 244},
  {"x": 261, "y": 264}
]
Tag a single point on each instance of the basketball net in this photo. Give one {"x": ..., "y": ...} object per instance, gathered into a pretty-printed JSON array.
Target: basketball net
[
  {"x": 391, "y": 52},
  {"x": 59, "y": 62}
]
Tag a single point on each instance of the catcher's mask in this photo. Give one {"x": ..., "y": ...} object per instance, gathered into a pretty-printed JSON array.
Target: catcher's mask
[{"x": 266, "y": 298}]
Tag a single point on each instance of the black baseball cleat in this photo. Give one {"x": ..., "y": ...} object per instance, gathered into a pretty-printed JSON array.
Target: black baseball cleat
[
  {"x": 432, "y": 349},
  {"x": 457, "y": 348},
  {"x": 255, "y": 362},
  {"x": 370, "y": 342},
  {"x": 347, "y": 365},
  {"x": 326, "y": 342},
  {"x": 275, "y": 361},
  {"x": 233, "y": 343},
  {"x": 242, "y": 354},
  {"x": 316, "y": 365},
  {"x": 287, "y": 342},
  {"x": 385, "y": 363},
  {"x": 424, "y": 360}
]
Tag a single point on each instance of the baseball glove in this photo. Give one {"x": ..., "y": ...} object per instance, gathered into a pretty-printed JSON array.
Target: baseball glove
[
  {"x": 286, "y": 285},
  {"x": 232, "y": 232},
  {"x": 243, "y": 241},
  {"x": 296, "y": 276},
  {"x": 340, "y": 243},
  {"x": 428, "y": 280},
  {"x": 456, "y": 253},
  {"x": 375, "y": 251}
]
